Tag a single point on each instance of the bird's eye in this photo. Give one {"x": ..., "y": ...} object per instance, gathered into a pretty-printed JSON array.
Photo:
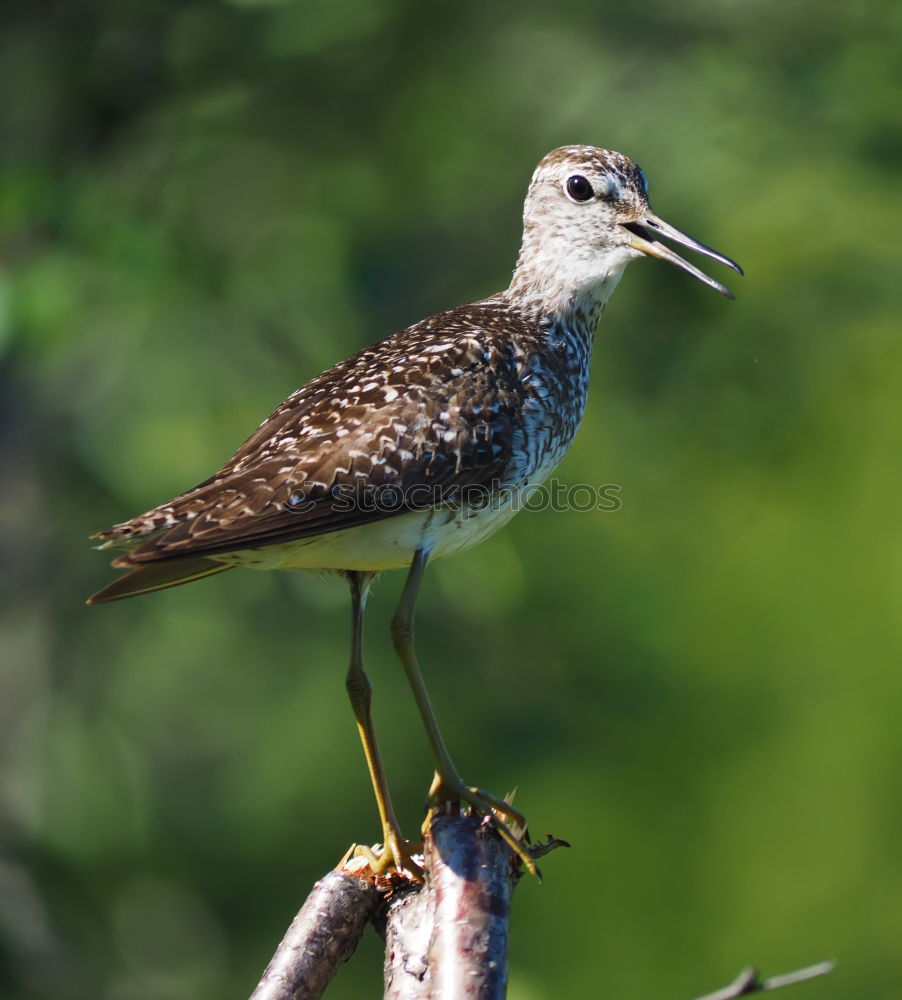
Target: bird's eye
[{"x": 579, "y": 188}]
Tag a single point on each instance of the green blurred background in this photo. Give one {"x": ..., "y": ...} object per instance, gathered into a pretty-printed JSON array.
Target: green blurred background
[{"x": 203, "y": 205}]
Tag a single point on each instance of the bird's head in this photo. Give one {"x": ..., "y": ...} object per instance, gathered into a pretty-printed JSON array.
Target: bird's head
[{"x": 586, "y": 216}]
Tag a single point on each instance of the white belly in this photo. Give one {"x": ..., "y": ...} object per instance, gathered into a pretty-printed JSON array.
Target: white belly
[
  {"x": 386, "y": 544},
  {"x": 391, "y": 542}
]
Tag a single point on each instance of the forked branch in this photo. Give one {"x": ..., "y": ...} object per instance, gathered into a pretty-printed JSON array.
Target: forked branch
[{"x": 445, "y": 937}]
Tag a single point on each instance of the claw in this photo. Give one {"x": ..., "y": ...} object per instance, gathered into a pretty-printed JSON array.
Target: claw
[
  {"x": 395, "y": 852},
  {"x": 502, "y": 806},
  {"x": 509, "y": 822}
]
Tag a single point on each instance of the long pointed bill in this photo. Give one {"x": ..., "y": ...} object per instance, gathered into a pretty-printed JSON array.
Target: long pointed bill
[{"x": 643, "y": 239}]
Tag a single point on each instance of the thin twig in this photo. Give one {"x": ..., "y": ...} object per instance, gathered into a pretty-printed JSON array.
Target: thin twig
[
  {"x": 324, "y": 933},
  {"x": 749, "y": 981}
]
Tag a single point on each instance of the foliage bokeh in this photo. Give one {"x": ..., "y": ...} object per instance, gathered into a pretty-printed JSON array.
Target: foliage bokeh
[{"x": 204, "y": 204}]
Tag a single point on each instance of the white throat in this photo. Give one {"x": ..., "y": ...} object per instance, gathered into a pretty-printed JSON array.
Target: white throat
[{"x": 555, "y": 277}]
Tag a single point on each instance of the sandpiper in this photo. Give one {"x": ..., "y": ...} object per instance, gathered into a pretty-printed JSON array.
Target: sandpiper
[{"x": 416, "y": 447}]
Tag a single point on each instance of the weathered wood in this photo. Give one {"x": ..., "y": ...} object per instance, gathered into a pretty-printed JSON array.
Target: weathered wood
[
  {"x": 321, "y": 937},
  {"x": 447, "y": 938}
]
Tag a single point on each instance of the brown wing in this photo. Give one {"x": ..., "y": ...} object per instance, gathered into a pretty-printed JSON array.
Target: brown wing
[{"x": 400, "y": 426}]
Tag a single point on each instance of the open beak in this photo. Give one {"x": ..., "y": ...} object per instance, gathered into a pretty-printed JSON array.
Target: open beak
[{"x": 644, "y": 232}]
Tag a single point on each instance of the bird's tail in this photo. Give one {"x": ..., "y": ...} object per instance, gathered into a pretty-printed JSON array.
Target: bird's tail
[{"x": 158, "y": 576}]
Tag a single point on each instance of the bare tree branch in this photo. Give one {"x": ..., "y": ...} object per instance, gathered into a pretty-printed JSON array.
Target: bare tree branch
[
  {"x": 445, "y": 937},
  {"x": 321, "y": 937},
  {"x": 448, "y": 937},
  {"x": 749, "y": 981},
  {"x": 473, "y": 876},
  {"x": 408, "y": 930}
]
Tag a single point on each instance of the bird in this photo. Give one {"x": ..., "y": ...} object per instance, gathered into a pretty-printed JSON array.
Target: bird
[{"x": 418, "y": 446}]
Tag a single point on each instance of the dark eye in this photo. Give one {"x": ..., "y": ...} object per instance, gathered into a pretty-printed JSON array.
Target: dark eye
[{"x": 579, "y": 188}]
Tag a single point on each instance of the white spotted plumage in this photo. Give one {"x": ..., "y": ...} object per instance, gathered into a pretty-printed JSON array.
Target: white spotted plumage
[{"x": 488, "y": 395}]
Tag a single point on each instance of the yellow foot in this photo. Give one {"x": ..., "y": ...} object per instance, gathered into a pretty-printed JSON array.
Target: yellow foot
[
  {"x": 396, "y": 853},
  {"x": 508, "y": 821}
]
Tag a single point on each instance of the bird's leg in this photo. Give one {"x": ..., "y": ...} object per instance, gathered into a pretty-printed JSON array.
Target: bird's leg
[
  {"x": 396, "y": 850},
  {"x": 447, "y": 785}
]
